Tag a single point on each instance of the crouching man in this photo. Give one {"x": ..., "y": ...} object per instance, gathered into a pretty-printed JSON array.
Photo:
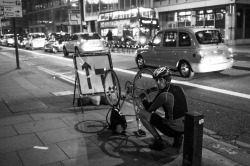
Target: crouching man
[{"x": 173, "y": 101}]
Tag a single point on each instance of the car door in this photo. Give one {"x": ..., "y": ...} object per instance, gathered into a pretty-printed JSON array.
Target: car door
[
  {"x": 68, "y": 44},
  {"x": 73, "y": 42},
  {"x": 186, "y": 49},
  {"x": 167, "y": 52},
  {"x": 151, "y": 56}
]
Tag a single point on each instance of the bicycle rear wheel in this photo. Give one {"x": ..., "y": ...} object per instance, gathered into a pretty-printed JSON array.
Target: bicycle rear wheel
[
  {"x": 145, "y": 87},
  {"x": 112, "y": 88}
]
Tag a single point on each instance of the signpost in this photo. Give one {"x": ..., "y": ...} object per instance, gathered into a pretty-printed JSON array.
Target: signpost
[
  {"x": 12, "y": 8},
  {"x": 74, "y": 16}
]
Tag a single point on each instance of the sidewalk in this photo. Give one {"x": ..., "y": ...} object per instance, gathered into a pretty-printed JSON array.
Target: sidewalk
[{"x": 40, "y": 127}]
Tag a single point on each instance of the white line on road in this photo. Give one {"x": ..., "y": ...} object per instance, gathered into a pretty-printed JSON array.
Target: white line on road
[{"x": 237, "y": 94}]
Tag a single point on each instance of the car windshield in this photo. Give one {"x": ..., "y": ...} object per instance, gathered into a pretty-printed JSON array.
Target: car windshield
[
  {"x": 90, "y": 36},
  {"x": 209, "y": 37}
]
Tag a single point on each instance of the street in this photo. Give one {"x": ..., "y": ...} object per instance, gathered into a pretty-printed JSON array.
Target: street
[{"x": 223, "y": 98}]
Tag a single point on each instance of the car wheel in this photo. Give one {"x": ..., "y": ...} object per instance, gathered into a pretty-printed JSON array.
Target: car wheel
[
  {"x": 77, "y": 51},
  {"x": 186, "y": 70},
  {"x": 65, "y": 52},
  {"x": 140, "y": 62}
]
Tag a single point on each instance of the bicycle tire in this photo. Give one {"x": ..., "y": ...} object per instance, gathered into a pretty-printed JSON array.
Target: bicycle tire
[
  {"x": 143, "y": 83},
  {"x": 112, "y": 88}
]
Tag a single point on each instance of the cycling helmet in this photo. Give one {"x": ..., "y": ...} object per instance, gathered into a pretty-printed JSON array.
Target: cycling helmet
[{"x": 162, "y": 72}]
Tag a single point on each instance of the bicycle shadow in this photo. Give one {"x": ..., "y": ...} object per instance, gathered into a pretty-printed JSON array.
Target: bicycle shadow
[{"x": 134, "y": 151}]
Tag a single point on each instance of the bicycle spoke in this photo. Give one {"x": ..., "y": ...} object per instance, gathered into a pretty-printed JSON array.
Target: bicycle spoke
[
  {"x": 112, "y": 88},
  {"x": 144, "y": 87}
]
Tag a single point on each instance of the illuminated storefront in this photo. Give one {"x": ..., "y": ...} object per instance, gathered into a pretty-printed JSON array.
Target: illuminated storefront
[
  {"x": 129, "y": 24},
  {"x": 231, "y": 18}
]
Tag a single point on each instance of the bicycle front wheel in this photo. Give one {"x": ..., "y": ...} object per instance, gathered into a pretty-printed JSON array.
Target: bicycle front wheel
[
  {"x": 112, "y": 88},
  {"x": 145, "y": 87}
]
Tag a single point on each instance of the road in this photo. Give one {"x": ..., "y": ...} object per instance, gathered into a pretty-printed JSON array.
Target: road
[{"x": 223, "y": 98}]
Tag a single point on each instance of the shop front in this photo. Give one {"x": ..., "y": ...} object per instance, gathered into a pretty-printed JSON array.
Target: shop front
[{"x": 230, "y": 19}]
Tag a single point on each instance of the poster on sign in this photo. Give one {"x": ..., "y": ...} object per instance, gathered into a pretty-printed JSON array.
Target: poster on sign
[{"x": 90, "y": 71}]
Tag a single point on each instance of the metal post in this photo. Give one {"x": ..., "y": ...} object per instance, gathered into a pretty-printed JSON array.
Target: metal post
[
  {"x": 16, "y": 43},
  {"x": 193, "y": 134},
  {"x": 81, "y": 12}
]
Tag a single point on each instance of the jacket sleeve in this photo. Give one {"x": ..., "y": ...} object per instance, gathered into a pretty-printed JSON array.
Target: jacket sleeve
[{"x": 158, "y": 102}]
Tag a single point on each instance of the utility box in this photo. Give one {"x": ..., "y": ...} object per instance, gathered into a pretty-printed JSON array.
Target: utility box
[{"x": 193, "y": 136}]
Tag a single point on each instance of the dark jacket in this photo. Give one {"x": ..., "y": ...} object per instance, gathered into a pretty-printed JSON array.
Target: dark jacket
[{"x": 109, "y": 35}]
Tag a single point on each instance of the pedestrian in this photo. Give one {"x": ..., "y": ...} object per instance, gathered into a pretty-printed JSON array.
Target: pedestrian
[
  {"x": 110, "y": 39},
  {"x": 173, "y": 101}
]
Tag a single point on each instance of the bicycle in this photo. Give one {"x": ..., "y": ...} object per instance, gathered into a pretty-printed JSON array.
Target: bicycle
[{"x": 142, "y": 86}]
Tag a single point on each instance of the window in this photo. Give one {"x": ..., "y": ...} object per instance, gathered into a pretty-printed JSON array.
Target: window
[
  {"x": 184, "y": 39},
  {"x": 169, "y": 39},
  {"x": 208, "y": 37},
  {"x": 157, "y": 39}
]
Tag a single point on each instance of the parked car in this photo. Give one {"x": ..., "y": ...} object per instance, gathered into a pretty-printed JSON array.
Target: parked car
[
  {"x": 56, "y": 43},
  {"x": 188, "y": 50},
  {"x": 84, "y": 42},
  {"x": 35, "y": 41},
  {"x": 8, "y": 40}
]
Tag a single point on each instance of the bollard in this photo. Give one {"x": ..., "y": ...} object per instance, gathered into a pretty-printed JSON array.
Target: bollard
[{"x": 193, "y": 135}]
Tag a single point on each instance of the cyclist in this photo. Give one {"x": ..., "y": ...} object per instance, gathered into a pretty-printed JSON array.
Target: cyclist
[{"x": 173, "y": 101}]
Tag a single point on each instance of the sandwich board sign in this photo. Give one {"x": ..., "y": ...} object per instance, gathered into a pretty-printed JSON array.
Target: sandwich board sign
[{"x": 90, "y": 72}]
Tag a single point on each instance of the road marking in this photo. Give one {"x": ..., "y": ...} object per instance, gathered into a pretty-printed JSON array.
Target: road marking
[{"x": 237, "y": 94}]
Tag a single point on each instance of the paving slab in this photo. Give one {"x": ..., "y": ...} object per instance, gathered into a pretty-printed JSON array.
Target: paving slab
[
  {"x": 51, "y": 114},
  {"x": 4, "y": 110},
  {"x": 25, "y": 83},
  {"x": 27, "y": 106},
  {"x": 54, "y": 164},
  {"x": 40, "y": 125},
  {"x": 37, "y": 157},
  {"x": 75, "y": 119},
  {"x": 9, "y": 120},
  {"x": 78, "y": 147},
  {"x": 7, "y": 131},
  {"x": 10, "y": 159},
  {"x": 19, "y": 142},
  {"x": 59, "y": 135}
]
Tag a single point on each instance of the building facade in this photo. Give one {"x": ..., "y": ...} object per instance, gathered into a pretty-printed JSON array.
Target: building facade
[
  {"x": 94, "y": 7},
  {"x": 230, "y": 16},
  {"x": 51, "y": 16}
]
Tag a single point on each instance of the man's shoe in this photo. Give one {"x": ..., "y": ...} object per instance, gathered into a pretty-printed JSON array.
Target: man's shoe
[
  {"x": 178, "y": 142},
  {"x": 157, "y": 145}
]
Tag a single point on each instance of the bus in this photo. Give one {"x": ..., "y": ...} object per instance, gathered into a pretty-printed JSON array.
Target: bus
[{"x": 134, "y": 26}]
